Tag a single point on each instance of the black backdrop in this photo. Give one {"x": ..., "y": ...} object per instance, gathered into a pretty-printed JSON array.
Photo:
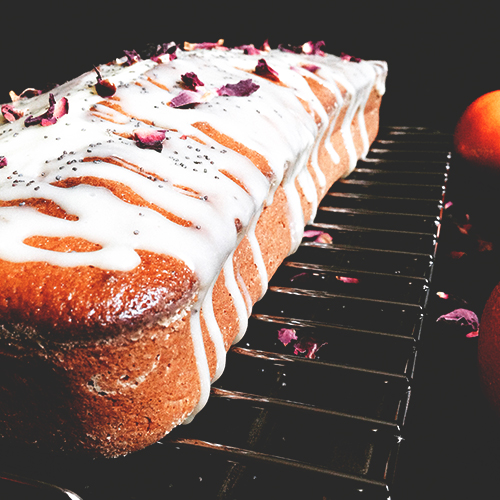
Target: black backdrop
[{"x": 441, "y": 55}]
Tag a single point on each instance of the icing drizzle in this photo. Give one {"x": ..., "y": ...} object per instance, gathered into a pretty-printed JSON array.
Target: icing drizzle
[{"x": 194, "y": 187}]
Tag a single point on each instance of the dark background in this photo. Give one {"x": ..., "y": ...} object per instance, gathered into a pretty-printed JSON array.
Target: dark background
[{"x": 441, "y": 57}]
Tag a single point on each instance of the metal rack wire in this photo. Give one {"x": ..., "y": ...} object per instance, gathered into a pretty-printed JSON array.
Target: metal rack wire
[{"x": 279, "y": 422}]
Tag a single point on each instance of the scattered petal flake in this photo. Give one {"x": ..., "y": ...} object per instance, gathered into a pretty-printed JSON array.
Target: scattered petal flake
[
  {"x": 131, "y": 57},
  {"x": 322, "y": 237},
  {"x": 310, "y": 67},
  {"x": 104, "y": 87},
  {"x": 191, "y": 81},
  {"x": 462, "y": 318},
  {"x": 241, "y": 89},
  {"x": 164, "y": 49},
  {"x": 25, "y": 94},
  {"x": 347, "y": 57},
  {"x": 186, "y": 98},
  {"x": 149, "y": 139},
  {"x": 314, "y": 48},
  {"x": 265, "y": 46},
  {"x": 484, "y": 246},
  {"x": 56, "y": 110},
  {"x": 10, "y": 114},
  {"x": 346, "y": 279},
  {"x": 3, "y": 161},
  {"x": 457, "y": 255},
  {"x": 249, "y": 49},
  {"x": 286, "y": 335},
  {"x": 308, "y": 346},
  {"x": 448, "y": 205},
  {"x": 310, "y": 48},
  {"x": 290, "y": 48},
  {"x": 442, "y": 295},
  {"x": 205, "y": 45},
  {"x": 472, "y": 335},
  {"x": 264, "y": 70}
]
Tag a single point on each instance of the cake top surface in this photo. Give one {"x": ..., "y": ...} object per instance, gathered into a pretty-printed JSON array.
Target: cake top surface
[{"x": 130, "y": 156}]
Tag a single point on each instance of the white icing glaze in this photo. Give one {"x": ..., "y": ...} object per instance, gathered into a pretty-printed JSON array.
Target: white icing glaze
[{"x": 187, "y": 179}]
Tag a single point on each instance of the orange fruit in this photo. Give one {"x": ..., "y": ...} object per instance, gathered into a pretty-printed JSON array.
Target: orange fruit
[
  {"x": 477, "y": 134},
  {"x": 489, "y": 349}
]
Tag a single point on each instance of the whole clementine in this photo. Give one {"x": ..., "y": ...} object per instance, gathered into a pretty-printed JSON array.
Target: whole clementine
[
  {"x": 489, "y": 349},
  {"x": 477, "y": 134}
]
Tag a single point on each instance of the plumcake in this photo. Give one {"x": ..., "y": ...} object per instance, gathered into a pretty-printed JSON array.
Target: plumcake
[{"x": 143, "y": 208}]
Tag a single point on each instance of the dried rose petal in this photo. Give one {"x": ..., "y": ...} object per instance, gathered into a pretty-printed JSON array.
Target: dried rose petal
[
  {"x": 131, "y": 57},
  {"x": 3, "y": 161},
  {"x": 104, "y": 87},
  {"x": 10, "y": 114},
  {"x": 165, "y": 48},
  {"x": 347, "y": 57},
  {"x": 61, "y": 108},
  {"x": 310, "y": 67},
  {"x": 249, "y": 49},
  {"x": 185, "y": 98},
  {"x": 472, "y": 335},
  {"x": 308, "y": 346},
  {"x": 457, "y": 255},
  {"x": 25, "y": 94},
  {"x": 463, "y": 318},
  {"x": 265, "y": 46},
  {"x": 241, "y": 89},
  {"x": 442, "y": 295},
  {"x": 290, "y": 48},
  {"x": 264, "y": 70},
  {"x": 484, "y": 246},
  {"x": 448, "y": 205},
  {"x": 150, "y": 139},
  {"x": 205, "y": 45},
  {"x": 286, "y": 335},
  {"x": 322, "y": 237},
  {"x": 313, "y": 48},
  {"x": 191, "y": 81},
  {"x": 346, "y": 279},
  {"x": 56, "y": 110}
]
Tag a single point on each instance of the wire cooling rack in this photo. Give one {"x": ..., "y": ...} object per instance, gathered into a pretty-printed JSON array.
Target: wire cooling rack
[{"x": 323, "y": 416}]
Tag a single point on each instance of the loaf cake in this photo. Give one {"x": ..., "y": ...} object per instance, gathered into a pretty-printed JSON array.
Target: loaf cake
[{"x": 143, "y": 208}]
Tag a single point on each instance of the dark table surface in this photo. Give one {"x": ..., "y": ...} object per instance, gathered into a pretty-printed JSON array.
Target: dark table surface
[{"x": 441, "y": 57}]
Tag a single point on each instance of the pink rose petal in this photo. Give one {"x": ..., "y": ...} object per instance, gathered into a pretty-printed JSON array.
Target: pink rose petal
[
  {"x": 313, "y": 48},
  {"x": 346, "y": 279},
  {"x": 249, "y": 49},
  {"x": 185, "y": 98},
  {"x": 241, "y": 89},
  {"x": 472, "y": 335},
  {"x": 10, "y": 114},
  {"x": 149, "y": 139},
  {"x": 205, "y": 45},
  {"x": 165, "y": 48},
  {"x": 265, "y": 46},
  {"x": 286, "y": 335},
  {"x": 462, "y": 318},
  {"x": 3, "y": 161},
  {"x": 191, "y": 81},
  {"x": 131, "y": 57},
  {"x": 347, "y": 57},
  {"x": 264, "y": 70},
  {"x": 25, "y": 94},
  {"x": 56, "y": 110},
  {"x": 308, "y": 346},
  {"x": 322, "y": 237}
]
